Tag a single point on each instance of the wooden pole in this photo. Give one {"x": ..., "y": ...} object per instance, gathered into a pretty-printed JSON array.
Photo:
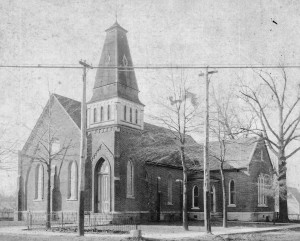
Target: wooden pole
[
  {"x": 206, "y": 183},
  {"x": 206, "y": 170},
  {"x": 83, "y": 147}
]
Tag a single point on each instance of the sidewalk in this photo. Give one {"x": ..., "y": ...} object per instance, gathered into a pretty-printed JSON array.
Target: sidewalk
[
  {"x": 194, "y": 232},
  {"x": 154, "y": 232}
]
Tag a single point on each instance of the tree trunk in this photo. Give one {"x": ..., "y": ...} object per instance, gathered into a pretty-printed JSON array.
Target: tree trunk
[
  {"x": 184, "y": 203},
  {"x": 48, "y": 223},
  {"x": 283, "y": 208},
  {"x": 224, "y": 197},
  {"x": 184, "y": 193}
]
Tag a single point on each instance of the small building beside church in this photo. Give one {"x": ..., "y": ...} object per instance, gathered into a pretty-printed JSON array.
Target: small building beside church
[{"x": 133, "y": 168}]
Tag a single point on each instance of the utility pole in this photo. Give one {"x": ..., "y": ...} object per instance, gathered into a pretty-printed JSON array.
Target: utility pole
[
  {"x": 206, "y": 174},
  {"x": 83, "y": 148}
]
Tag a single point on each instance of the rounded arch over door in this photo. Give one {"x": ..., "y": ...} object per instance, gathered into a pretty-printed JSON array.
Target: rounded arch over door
[{"x": 102, "y": 186}]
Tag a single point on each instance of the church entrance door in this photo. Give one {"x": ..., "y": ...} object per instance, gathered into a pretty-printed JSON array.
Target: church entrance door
[{"x": 103, "y": 188}]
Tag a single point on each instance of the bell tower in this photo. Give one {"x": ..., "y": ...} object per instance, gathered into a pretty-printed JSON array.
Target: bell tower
[{"x": 115, "y": 99}]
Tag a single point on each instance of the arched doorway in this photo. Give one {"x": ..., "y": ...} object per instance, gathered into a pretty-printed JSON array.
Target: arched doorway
[
  {"x": 213, "y": 207},
  {"x": 102, "y": 187}
]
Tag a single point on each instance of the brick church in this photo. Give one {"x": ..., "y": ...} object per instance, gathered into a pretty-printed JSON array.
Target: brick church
[{"x": 133, "y": 169}]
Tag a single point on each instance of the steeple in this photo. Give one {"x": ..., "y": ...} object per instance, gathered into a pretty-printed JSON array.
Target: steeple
[
  {"x": 115, "y": 102},
  {"x": 110, "y": 83}
]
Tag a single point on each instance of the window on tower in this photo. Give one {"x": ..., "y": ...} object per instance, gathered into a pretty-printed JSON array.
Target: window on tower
[
  {"x": 95, "y": 115},
  {"x": 108, "y": 112},
  {"x": 130, "y": 114},
  {"x": 125, "y": 112},
  {"x": 101, "y": 113},
  {"x": 136, "y": 116}
]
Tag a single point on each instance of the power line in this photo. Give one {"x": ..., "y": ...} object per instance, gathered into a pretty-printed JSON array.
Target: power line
[{"x": 149, "y": 67}]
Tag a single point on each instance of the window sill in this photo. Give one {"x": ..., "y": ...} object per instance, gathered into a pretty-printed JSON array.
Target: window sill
[
  {"x": 262, "y": 205},
  {"x": 72, "y": 199},
  {"x": 38, "y": 200},
  {"x": 232, "y": 206},
  {"x": 130, "y": 196},
  {"x": 195, "y": 208}
]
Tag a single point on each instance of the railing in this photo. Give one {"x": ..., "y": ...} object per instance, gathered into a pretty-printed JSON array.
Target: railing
[
  {"x": 6, "y": 214},
  {"x": 294, "y": 217},
  {"x": 68, "y": 221}
]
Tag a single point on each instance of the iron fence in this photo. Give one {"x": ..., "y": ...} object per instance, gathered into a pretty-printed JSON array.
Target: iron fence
[
  {"x": 68, "y": 221},
  {"x": 6, "y": 214},
  {"x": 295, "y": 217}
]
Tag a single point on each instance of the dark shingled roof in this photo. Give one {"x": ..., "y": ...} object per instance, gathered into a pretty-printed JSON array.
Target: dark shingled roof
[
  {"x": 114, "y": 82},
  {"x": 158, "y": 146}
]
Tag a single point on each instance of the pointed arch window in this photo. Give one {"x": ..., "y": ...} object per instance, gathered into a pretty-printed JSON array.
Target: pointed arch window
[
  {"x": 195, "y": 197},
  {"x": 130, "y": 179},
  {"x": 72, "y": 181},
  {"x": 39, "y": 182},
  {"x": 125, "y": 112},
  {"x": 136, "y": 116},
  {"x": 170, "y": 187},
  {"x": 108, "y": 112},
  {"x": 130, "y": 114},
  {"x": 261, "y": 183},
  {"x": 232, "y": 193}
]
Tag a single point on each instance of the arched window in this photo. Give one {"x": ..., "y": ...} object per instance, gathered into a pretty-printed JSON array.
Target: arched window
[
  {"x": 136, "y": 116},
  {"x": 125, "y": 112},
  {"x": 101, "y": 113},
  {"x": 108, "y": 112},
  {"x": 39, "y": 182},
  {"x": 195, "y": 197},
  {"x": 130, "y": 179},
  {"x": 95, "y": 115},
  {"x": 261, "y": 183},
  {"x": 130, "y": 114},
  {"x": 232, "y": 193},
  {"x": 72, "y": 180},
  {"x": 170, "y": 184}
]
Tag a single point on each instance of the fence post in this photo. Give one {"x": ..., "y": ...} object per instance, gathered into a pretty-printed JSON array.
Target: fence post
[
  {"x": 62, "y": 219},
  {"x": 27, "y": 219}
]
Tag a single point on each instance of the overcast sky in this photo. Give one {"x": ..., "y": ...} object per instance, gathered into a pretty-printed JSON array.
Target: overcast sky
[{"x": 62, "y": 32}]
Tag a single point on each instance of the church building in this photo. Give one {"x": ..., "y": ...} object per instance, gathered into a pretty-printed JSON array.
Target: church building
[{"x": 133, "y": 169}]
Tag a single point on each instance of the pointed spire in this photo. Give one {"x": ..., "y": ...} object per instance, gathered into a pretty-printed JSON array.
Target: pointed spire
[{"x": 115, "y": 82}]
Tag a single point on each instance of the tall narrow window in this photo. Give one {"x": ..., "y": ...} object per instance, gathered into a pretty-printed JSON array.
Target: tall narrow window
[
  {"x": 72, "y": 181},
  {"x": 170, "y": 184},
  {"x": 101, "y": 113},
  {"x": 232, "y": 193},
  {"x": 195, "y": 197},
  {"x": 130, "y": 179},
  {"x": 95, "y": 115},
  {"x": 130, "y": 114},
  {"x": 108, "y": 112},
  {"x": 262, "y": 200},
  {"x": 125, "y": 112},
  {"x": 136, "y": 116},
  {"x": 39, "y": 182}
]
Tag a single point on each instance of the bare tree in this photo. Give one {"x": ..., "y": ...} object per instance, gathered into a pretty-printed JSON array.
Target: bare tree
[
  {"x": 179, "y": 112},
  {"x": 50, "y": 147},
  {"x": 275, "y": 103},
  {"x": 225, "y": 126}
]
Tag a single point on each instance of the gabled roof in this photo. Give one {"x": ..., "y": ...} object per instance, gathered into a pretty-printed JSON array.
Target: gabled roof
[
  {"x": 295, "y": 192},
  {"x": 238, "y": 153},
  {"x": 72, "y": 107}
]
